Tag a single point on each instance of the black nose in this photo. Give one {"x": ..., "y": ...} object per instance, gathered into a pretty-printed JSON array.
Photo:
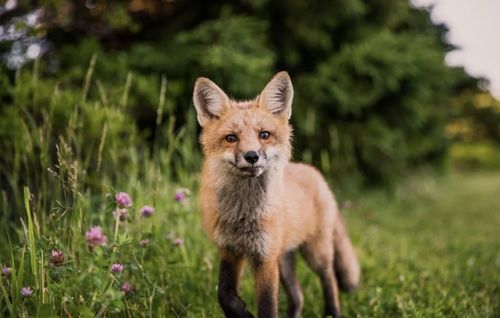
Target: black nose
[{"x": 251, "y": 157}]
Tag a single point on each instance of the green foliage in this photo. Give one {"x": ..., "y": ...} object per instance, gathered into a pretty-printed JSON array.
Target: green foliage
[
  {"x": 231, "y": 50},
  {"x": 372, "y": 94},
  {"x": 76, "y": 135},
  {"x": 485, "y": 155},
  {"x": 475, "y": 117},
  {"x": 372, "y": 90}
]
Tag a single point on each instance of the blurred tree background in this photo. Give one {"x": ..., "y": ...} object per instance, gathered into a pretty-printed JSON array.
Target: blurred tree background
[{"x": 374, "y": 98}]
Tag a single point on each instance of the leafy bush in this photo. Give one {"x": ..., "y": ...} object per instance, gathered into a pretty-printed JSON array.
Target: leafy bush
[{"x": 372, "y": 90}]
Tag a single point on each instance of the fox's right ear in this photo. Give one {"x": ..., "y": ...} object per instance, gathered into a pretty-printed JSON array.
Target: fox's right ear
[{"x": 209, "y": 100}]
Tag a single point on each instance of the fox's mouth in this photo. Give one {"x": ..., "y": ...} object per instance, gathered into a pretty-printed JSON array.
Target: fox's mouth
[
  {"x": 247, "y": 171},
  {"x": 252, "y": 171}
]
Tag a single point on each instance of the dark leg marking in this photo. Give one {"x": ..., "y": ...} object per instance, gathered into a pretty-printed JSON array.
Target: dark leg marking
[
  {"x": 267, "y": 303},
  {"x": 322, "y": 265},
  {"x": 231, "y": 303},
  {"x": 289, "y": 281},
  {"x": 330, "y": 292},
  {"x": 267, "y": 284}
]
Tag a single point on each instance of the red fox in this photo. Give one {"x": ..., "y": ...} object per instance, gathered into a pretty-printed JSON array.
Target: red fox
[{"x": 258, "y": 206}]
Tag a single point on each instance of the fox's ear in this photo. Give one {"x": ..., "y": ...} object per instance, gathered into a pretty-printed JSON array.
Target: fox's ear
[
  {"x": 277, "y": 95},
  {"x": 209, "y": 100}
]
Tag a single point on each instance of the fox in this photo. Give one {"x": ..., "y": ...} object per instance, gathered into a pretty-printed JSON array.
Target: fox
[{"x": 260, "y": 208}]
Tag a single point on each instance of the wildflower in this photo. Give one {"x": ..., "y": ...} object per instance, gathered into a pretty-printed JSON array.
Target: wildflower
[
  {"x": 181, "y": 194},
  {"x": 123, "y": 199},
  {"x": 147, "y": 211},
  {"x": 26, "y": 291},
  {"x": 126, "y": 288},
  {"x": 117, "y": 268},
  {"x": 178, "y": 242},
  {"x": 121, "y": 214},
  {"x": 56, "y": 258},
  {"x": 144, "y": 243},
  {"x": 6, "y": 271},
  {"x": 95, "y": 237}
]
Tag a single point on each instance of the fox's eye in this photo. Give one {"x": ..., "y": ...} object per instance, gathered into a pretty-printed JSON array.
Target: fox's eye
[
  {"x": 231, "y": 138},
  {"x": 264, "y": 134}
]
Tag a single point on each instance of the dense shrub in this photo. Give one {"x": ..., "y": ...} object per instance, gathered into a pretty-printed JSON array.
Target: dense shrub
[{"x": 372, "y": 89}]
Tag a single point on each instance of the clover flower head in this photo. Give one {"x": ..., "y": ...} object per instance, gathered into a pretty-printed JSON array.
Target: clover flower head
[
  {"x": 117, "y": 268},
  {"x": 56, "y": 257},
  {"x": 122, "y": 199},
  {"x": 95, "y": 237},
  {"x": 126, "y": 288},
  {"x": 181, "y": 194},
  {"x": 26, "y": 291},
  {"x": 6, "y": 271},
  {"x": 178, "y": 242},
  {"x": 147, "y": 211}
]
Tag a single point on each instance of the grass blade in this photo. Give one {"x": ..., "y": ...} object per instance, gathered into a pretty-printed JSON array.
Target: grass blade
[{"x": 31, "y": 237}]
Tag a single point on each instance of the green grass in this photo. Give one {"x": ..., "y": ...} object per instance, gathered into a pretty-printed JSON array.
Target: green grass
[
  {"x": 434, "y": 252},
  {"x": 429, "y": 250}
]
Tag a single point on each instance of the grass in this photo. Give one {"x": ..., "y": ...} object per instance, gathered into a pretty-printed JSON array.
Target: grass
[
  {"x": 430, "y": 250},
  {"x": 433, "y": 251}
]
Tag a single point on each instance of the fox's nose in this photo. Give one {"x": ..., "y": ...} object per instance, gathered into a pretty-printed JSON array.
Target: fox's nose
[{"x": 251, "y": 157}]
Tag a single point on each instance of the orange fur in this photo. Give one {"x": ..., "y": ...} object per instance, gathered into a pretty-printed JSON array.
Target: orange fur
[{"x": 264, "y": 210}]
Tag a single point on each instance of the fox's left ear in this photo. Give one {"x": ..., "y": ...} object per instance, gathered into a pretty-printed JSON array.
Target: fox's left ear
[{"x": 277, "y": 95}]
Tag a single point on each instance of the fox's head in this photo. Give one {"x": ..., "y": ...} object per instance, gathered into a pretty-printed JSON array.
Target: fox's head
[{"x": 245, "y": 138}]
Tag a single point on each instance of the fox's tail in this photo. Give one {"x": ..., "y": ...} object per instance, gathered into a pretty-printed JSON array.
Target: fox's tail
[{"x": 347, "y": 267}]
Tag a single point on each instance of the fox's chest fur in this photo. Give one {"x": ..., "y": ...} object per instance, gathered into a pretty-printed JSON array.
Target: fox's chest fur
[{"x": 242, "y": 203}]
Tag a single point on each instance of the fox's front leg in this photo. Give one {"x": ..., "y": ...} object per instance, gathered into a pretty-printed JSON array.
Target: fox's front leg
[
  {"x": 229, "y": 275},
  {"x": 267, "y": 284}
]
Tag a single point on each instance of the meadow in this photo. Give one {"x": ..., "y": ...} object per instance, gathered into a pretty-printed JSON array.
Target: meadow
[{"x": 97, "y": 224}]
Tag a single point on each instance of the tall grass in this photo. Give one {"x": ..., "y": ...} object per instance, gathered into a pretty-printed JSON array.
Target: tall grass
[
  {"x": 430, "y": 250},
  {"x": 70, "y": 153}
]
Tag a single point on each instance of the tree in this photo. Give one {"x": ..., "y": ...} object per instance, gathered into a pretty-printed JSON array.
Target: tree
[{"x": 372, "y": 90}]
